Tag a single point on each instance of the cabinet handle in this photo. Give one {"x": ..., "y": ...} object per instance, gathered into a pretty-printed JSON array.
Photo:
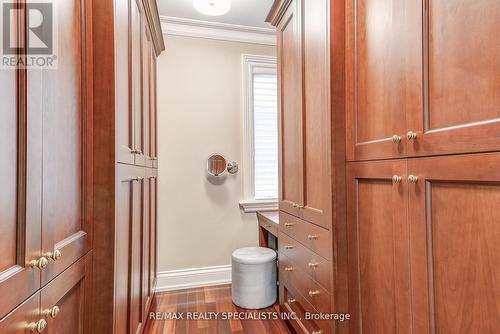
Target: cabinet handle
[
  {"x": 313, "y": 265},
  {"x": 288, "y": 247},
  {"x": 312, "y": 237},
  {"x": 411, "y": 135},
  {"x": 268, "y": 225},
  {"x": 295, "y": 205},
  {"x": 52, "y": 312},
  {"x": 38, "y": 326},
  {"x": 41, "y": 263},
  {"x": 154, "y": 158},
  {"x": 396, "y": 179},
  {"x": 412, "y": 179},
  {"x": 317, "y": 332},
  {"x": 54, "y": 256},
  {"x": 137, "y": 178},
  {"x": 291, "y": 301},
  {"x": 313, "y": 293},
  {"x": 300, "y": 206},
  {"x": 396, "y": 139},
  {"x": 289, "y": 224},
  {"x": 288, "y": 268}
]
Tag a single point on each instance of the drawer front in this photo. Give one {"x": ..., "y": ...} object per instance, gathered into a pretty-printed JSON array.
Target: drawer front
[
  {"x": 293, "y": 302},
  {"x": 270, "y": 227},
  {"x": 312, "y": 236},
  {"x": 314, "y": 265},
  {"x": 314, "y": 293}
]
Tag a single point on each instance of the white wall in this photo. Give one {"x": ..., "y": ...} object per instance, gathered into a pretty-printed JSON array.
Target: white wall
[{"x": 199, "y": 113}]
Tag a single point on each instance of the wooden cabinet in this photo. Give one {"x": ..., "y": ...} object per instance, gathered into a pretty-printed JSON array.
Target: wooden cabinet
[
  {"x": 418, "y": 82},
  {"x": 455, "y": 249},
  {"x": 305, "y": 122},
  {"x": 125, "y": 188},
  {"x": 378, "y": 239}
]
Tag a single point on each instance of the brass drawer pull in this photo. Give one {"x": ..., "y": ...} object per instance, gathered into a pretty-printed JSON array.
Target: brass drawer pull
[
  {"x": 289, "y": 224},
  {"x": 288, "y": 247},
  {"x": 38, "y": 326},
  {"x": 396, "y": 139},
  {"x": 137, "y": 178},
  {"x": 313, "y": 293},
  {"x": 268, "y": 225},
  {"x": 289, "y": 269},
  {"x": 295, "y": 205},
  {"x": 291, "y": 301},
  {"x": 54, "y": 256},
  {"x": 41, "y": 263},
  {"x": 411, "y": 135},
  {"x": 412, "y": 179},
  {"x": 317, "y": 332},
  {"x": 53, "y": 312},
  {"x": 313, "y": 265},
  {"x": 312, "y": 237},
  {"x": 396, "y": 179}
]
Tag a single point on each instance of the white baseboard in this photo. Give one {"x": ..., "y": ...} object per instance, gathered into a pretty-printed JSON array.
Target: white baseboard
[{"x": 193, "y": 278}]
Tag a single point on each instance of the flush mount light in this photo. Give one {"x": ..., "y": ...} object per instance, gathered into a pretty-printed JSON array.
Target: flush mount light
[{"x": 212, "y": 7}]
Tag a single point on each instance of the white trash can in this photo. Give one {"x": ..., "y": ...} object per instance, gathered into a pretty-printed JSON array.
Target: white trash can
[{"x": 254, "y": 277}]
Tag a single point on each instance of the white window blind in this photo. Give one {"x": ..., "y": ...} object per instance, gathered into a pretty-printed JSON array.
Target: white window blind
[{"x": 265, "y": 119}]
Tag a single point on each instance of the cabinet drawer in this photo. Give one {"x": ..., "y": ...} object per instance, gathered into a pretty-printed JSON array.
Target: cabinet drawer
[
  {"x": 312, "y": 236},
  {"x": 270, "y": 227},
  {"x": 293, "y": 302},
  {"x": 314, "y": 293},
  {"x": 314, "y": 265}
]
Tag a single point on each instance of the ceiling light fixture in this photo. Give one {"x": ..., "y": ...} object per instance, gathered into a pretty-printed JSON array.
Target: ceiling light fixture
[{"x": 212, "y": 7}]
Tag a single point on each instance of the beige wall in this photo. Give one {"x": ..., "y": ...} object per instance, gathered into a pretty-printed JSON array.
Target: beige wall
[{"x": 199, "y": 113}]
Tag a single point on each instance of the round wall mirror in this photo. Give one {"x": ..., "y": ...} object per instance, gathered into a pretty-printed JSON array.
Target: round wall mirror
[{"x": 216, "y": 165}]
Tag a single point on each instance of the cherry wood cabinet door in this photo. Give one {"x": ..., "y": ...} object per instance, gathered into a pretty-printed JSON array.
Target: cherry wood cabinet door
[
  {"x": 316, "y": 197},
  {"x": 462, "y": 79},
  {"x": 378, "y": 243},
  {"x": 153, "y": 231},
  {"x": 129, "y": 198},
  {"x": 154, "y": 114},
  {"x": 65, "y": 302},
  {"x": 146, "y": 97},
  {"x": 22, "y": 317},
  {"x": 455, "y": 244},
  {"x": 145, "y": 240},
  {"x": 290, "y": 108},
  {"x": 123, "y": 89},
  {"x": 67, "y": 140},
  {"x": 383, "y": 75},
  {"x": 20, "y": 195},
  {"x": 136, "y": 32}
]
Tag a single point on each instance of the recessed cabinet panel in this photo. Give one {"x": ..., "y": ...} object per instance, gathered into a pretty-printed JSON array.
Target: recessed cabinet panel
[
  {"x": 384, "y": 75},
  {"x": 65, "y": 301},
  {"x": 455, "y": 253},
  {"x": 290, "y": 109},
  {"x": 17, "y": 321},
  {"x": 379, "y": 272},
  {"x": 66, "y": 138},
  {"x": 462, "y": 99}
]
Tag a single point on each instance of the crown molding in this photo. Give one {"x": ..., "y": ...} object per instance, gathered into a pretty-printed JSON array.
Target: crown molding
[{"x": 215, "y": 30}]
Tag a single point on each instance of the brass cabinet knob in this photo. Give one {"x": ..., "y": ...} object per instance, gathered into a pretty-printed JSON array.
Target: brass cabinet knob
[
  {"x": 288, "y": 247},
  {"x": 288, "y": 268},
  {"x": 312, "y": 237},
  {"x": 412, "y": 179},
  {"x": 137, "y": 178},
  {"x": 396, "y": 179},
  {"x": 291, "y": 301},
  {"x": 396, "y": 139},
  {"x": 317, "y": 332},
  {"x": 411, "y": 135},
  {"x": 53, "y": 312},
  {"x": 300, "y": 206},
  {"x": 313, "y": 293},
  {"x": 313, "y": 265},
  {"x": 268, "y": 225},
  {"x": 288, "y": 224},
  {"x": 295, "y": 205},
  {"x": 41, "y": 263},
  {"x": 55, "y": 255},
  {"x": 38, "y": 326}
]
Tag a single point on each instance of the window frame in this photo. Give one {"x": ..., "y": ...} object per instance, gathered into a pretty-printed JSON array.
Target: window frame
[{"x": 250, "y": 63}]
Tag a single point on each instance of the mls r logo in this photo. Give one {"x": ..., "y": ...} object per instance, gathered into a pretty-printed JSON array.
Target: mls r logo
[{"x": 39, "y": 27}]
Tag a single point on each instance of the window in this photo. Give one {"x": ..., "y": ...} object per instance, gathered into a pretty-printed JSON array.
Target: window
[{"x": 260, "y": 106}]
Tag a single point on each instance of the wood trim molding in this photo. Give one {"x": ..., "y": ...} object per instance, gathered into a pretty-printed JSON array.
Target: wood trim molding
[
  {"x": 153, "y": 20},
  {"x": 277, "y": 10},
  {"x": 216, "y": 30},
  {"x": 193, "y": 278}
]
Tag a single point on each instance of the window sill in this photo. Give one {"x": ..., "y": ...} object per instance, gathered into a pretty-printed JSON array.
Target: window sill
[{"x": 249, "y": 206}]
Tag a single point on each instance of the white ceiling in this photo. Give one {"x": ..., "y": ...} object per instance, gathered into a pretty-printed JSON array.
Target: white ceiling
[{"x": 243, "y": 12}]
